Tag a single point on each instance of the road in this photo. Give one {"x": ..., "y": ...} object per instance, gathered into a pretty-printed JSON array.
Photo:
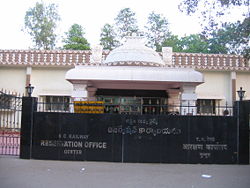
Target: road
[{"x": 15, "y": 172}]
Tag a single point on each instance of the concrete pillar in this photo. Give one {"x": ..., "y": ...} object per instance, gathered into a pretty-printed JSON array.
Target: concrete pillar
[
  {"x": 167, "y": 53},
  {"x": 28, "y": 76},
  {"x": 242, "y": 112},
  {"x": 80, "y": 92},
  {"x": 91, "y": 92},
  {"x": 96, "y": 57},
  {"x": 173, "y": 100},
  {"x": 29, "y": 106},
  {"x": 188, "y": 100},
  {"x": 233, "y": 86}
]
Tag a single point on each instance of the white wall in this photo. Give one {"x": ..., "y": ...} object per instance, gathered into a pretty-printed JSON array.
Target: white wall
[
  {"x": 13, "y": 79},
  {"x": 217, "y": 85},
  {"x": 243, "y": 80},
  {"x": 50, "y": 81}
]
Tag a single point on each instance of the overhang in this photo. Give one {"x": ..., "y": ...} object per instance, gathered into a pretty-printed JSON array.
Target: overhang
[{"x": 115, "y": 75}]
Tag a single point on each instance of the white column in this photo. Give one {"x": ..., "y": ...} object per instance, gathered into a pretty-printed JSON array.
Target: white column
[
  {"x": 233, "y": 88},
  {"x": 96, "y": 56},
  {"x": 28, "y": 75},
  {"x": 188, "y": 100},
  {"x": 80, "y": 92},
  {"x": 167, "y": 53}
]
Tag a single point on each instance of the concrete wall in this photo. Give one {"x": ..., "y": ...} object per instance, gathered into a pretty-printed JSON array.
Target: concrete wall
[
  {"x": 243, "y": 80},
  {"x": 217, "y": 85},
  {"x": 46, "y": 80},
  {"x": 13, "y": 79},
  {"x": 50, "y": 81}
]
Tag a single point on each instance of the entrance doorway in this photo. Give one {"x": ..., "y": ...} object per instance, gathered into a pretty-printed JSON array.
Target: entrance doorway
[{"x": 133, "y": 101}]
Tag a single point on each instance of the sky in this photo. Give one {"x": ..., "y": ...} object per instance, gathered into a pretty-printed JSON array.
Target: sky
[{"x": 91, "y": 15}]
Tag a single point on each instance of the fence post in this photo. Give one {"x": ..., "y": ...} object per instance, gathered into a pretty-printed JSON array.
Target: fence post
[
  {"x": 242, "y": 112},
  {"x": 29, "y": 105}
]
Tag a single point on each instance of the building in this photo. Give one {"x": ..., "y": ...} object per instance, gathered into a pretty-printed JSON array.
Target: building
[
  {"x": 135, "y": 74},
  {"x": 207, "y": 80}
]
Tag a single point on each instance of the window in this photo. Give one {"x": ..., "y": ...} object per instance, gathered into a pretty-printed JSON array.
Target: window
[
  {"x": 57, "y": 103},
  {"x": 206, "y": 106}
]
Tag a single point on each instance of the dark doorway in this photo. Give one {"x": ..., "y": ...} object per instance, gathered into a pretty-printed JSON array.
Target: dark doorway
[{"x": 132, "y": 93}]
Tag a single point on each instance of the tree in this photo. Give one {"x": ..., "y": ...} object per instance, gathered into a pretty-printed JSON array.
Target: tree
[
  {"x": 244, "y": 37},
  {"x": 75, "y": 39},
  {"x": 40, "y": 23},
  {"x": 126, "y": 23},
  {"x": 220, "y": 40},
  {"x": 108, "y": 37},
  {"x": 156, "y": 30},
  {"x": 193, "y": 43},
  {"x": 232, "y": 38},
  {"x": 174, "y": 42},
  {"x": 217, "y": 44},
  {"x": 210, "y": 10},
  {"x": 213, "y": 9}
]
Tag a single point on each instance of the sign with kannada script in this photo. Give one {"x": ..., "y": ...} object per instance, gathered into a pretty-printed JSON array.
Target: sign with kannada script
[
  {"x": 89, "y": 107},
  {"x": 134, "y": 138}
]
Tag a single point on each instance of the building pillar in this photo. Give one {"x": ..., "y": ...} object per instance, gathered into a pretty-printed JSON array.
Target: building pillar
[
  {"x": 173, "y": 100},
  {"x": 80, "y": 92},
  {"x": 29, "y": 106},
  {"x": 233, "y": 86},
  {"x": 91, "y": 92},
  {"x": 242, "y": 113},
  {"x": 167, "y": 53},
  {"x": 28, "y": 76},
  {"x": 188, "y": 100},
  {"x": 96, "y": 56}
]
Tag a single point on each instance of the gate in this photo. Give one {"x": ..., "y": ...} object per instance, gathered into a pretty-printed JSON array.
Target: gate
[
  {"x": 10, "y": 123},
  {"x": 135, "y": 138}
]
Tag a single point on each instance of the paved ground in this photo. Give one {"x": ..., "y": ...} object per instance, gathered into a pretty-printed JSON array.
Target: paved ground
[{"x": 17, "y": 173}]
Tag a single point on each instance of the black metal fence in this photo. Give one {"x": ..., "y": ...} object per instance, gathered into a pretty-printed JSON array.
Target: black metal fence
[
  {"x": 134, "y": 138},
  {"x": 11, "y": 110},
  {"x": 10, "y": 123},
  {"x": 97, "y": 107},
  {"x": 112, "y": 136}
]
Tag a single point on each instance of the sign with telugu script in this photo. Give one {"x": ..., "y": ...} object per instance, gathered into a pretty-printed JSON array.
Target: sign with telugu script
[
  {"x": 89, "y": 107},
  {"x": 134, "y": 138}
]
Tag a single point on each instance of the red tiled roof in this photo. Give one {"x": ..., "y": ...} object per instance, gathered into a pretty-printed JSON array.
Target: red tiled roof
[
  {"x": 210, "y": 61},
  {"x": 70, "y": 58}
]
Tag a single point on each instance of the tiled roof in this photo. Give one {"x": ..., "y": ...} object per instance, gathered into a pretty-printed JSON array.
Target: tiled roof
[
  {"x": 70, "y": 58},
  {"x": 210, "y": 61}
]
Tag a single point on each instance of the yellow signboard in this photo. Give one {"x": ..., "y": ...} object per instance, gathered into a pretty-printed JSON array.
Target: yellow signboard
[{"x": 89, "y": 107}]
